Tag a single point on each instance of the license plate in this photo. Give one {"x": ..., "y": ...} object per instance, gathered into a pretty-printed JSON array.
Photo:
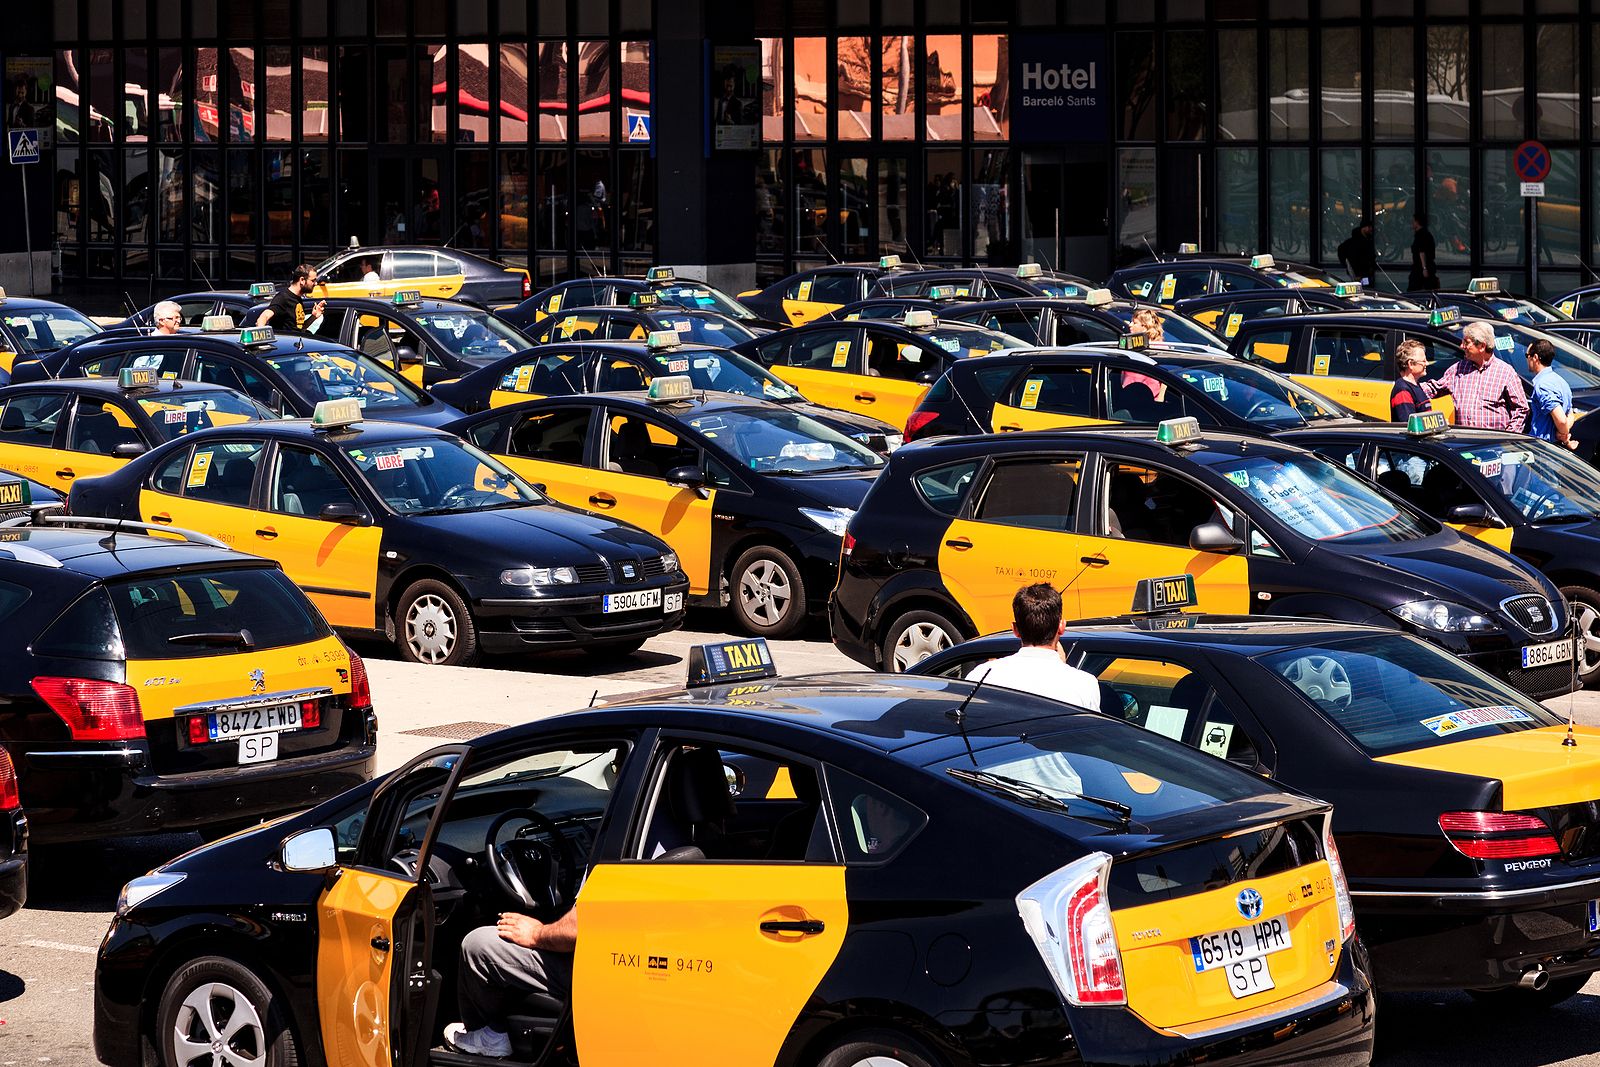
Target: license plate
[
  {"x": 1546, "y": 654},
  {"x": 1249, "y": 976},
  {"x": 632, "y": 600},
  {"x": 1242, "y": 945},
  {"x": 673, "y": 602},
  {"x": 259, "y": 748},
  {"x": 273, "y": 719}
]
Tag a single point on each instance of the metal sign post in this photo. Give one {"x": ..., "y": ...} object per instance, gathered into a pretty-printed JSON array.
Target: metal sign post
[
  {"x": 23, "y": 145},
  {"x": 1530, "y": 161}
]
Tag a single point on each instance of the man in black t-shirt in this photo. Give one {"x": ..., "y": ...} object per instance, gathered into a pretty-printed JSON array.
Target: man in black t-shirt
[
  {"x": 1424, "y": 266},
  {"x": 286, "y": 313}
]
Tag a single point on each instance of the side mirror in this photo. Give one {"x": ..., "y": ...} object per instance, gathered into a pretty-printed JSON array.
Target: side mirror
[
  {"x": 1471, "y": 515},
  {"x": 345, "y": 514},
  {"x": 542, "y": 488},
  {"x": 309, "y": 851},
  {"x": 1214, "y": 537},
  {"x": 688, "y": 477},
  {"x": 408, "y": 356},
  {"x": 129, "y": 449}
]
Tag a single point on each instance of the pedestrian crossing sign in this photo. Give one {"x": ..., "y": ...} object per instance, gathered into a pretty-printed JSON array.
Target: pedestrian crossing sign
[
  {"x": 638, "y": 129},
  {"x": 24, "y": 145}
]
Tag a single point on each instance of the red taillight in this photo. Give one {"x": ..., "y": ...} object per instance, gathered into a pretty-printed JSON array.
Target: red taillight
[
  {"x": 360, "y": 688},
  {"x": 527, "y": 285},
  {"x": 199, "y": 730},
  {"x": 93, "y": 710},
  {"x": 848, "y": 546},
  {"x": 1494, "y": 835},
  {"x": 1096, "y": 966},
  {"x": 310, "y": 715},
  {"x": 918, "y": 422},
  {"x": 10, "y": 799},
  {"x": 1341, "y": 887}
]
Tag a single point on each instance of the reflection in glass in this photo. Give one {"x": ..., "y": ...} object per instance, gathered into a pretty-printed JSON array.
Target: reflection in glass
[
  {"x": 551, "y": 203},
  {"x": 1288, "y": 199},
  {"x": 171, "y": 114},
  {"x": 355, "y": 105},
  {"x": 315, "y": 201},
  {"x": 1136, "y": 207},
  {"x": 1237, "y": 93},
  {"x": 351, "y": 201},
  {"x": 1501, "y": 195},
  {"x": 1503, "y": 80},
  {"x": 1394, "y": 179},
  {"x": 470, "y": 96},
  {"x": 552, "y": 91},
  {"x": 1340, "y": 51},
  {"x": 1288, "y": 86},
  {"x": 314, "y": 102},
  {"x": 136, "y": 199},
  {"x": 1560, "y": 237},
  {"x": 102, "y": 196},
  {"x": 636, "y": 201},
  {"x": 279, "y": 80},
  {"x": 426, "y": 212},
  {"x": 170, "y": 186},
  {"x": 1394, "y": 110},
  {"x": 103, "y": 101},
  {"x": 394, "y": 82},
  {"x": 943, "y": 203},
  {"x": 854, "y": 198},
  {"x": 594, "y": 209},
  {"x": 1557, "y": 74},
  {"x": 943, "y": 84},
  {"x": 68, "y": 96},
  {"x": 472, "y": 199},
  {"x": 1188, "y": 89},
  {"x": 1449, "y": 203},
  {"x": 991, "y": 198},
  {"x": 635, "y": 86},
  {"x": 1447, "y": 70},
  {"x": 514, "y": 84},
  {"x": 896, "y": 87},
  {"x": 773, "y": 90},
  {"x": 278, "y": 188},
  {"x": 810, "y": 199},
  {"x": 241, "y": 86},
  {"x": 811, "y": 80},
  {"x": 1238, "y": 200},
  {"x": 893, "y": 203},
  {"x": 435, "y": 93},
  {"x": 205, "y": 215},
  {"x": 991, "y": 87},
  {"x": 242, "y": 167},
  {"x": 137, "y": 110},
  {"x": 1136, "y": 87},
  {"x": 513, "y": 203},
  {"x": 770, "y": 201},
  {"x": 594, "y": 93},
  {"x": 1341, "y": 198},
  {"x": 853, "y": 73},
  {"x": 68, "y": 194}
]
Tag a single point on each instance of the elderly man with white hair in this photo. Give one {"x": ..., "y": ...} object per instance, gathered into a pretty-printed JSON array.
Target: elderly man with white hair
[
  {"x": 168, "y": 316},
  {"x": 1487, "y": 392}
]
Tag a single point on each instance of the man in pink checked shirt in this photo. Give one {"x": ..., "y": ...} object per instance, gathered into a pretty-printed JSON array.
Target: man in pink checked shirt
[{"x": 1487, "y": 392}]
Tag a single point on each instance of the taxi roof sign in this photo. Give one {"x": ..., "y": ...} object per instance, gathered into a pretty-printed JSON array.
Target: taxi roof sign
[
  {"x": 1188, "y": 248},
  {"x": 17, "y": 494},
  {"x": 1133, "y": 342},
  {"x": 1178, "y": 431},
  {"x": 730, "y": 661},
  {"x": 888, "y": 262},
  {"x": 1152, "y": 595},
  {"x": 336, "y": 414},
  {"x": 1483, "y": 285},
  {"x": 217, "y": 323},
  {"x": 1096, "y": 297},
  {"x": 1347, "y": 289},
  {"x": 1262, "y": 261},
  {"x": 1029, "y": 270},
  {"x": 136, "y": 377},
  {"x": 662, "y": 339},
  {"x": 252, "y": 336},
  {"x": 1444, "y": 316},
  {"x": 643, "y": 300},
  {"x": 918, "y": 319},
  {"x": 666, "y": 388},
  {"x": 661, "y": 274},
  {"x": 942, "y": 292},
  {"x": 1424, "y": 423},
  {"x": 261, "y": 289},
  {"x": 407, "y": 297}
]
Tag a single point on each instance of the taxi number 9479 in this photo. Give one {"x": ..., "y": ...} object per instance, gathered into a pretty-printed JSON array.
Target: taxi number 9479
[{"x": 1242, "y": 951}]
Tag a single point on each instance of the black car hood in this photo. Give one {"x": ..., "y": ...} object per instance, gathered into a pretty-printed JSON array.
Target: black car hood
[
  {"x": 841, "y": 489},
  {"x": 538, "y": 534},
  {"x": 849, "y": 423},
  {"x": 1445, "y": 566}
]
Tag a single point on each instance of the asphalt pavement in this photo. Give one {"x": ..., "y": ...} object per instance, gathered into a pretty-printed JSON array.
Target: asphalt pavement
[{"x": 47, "y": 951}]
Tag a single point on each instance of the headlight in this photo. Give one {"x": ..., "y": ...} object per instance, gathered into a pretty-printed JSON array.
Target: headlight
[
  {"x": 1442, "y": 615},
  {"x": 669, "y": 563},
  {"x": 143, "y": 888},
  {"x": 833, "y": 520},
  {"x": 528, "y": 577}
]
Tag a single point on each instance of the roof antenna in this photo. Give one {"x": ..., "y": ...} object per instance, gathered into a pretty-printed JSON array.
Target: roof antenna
[
  {"x": 594, "y": 698},
  {"x": 958, "y": 715},
  {"x": 598, "y": 273},
  {"x": 824, "y": 246},
  {"x": 1571, "y": 741},
  {"x": 196, "y": 261},
  {"x": 1146, "y": 239}
]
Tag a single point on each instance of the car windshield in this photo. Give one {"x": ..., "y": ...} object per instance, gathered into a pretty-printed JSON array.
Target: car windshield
[
  {"x": 1321, "y": 501},
  {"x": 1255, "y": 395},
  {"x": 318, "y": 376},
  {"x": 726, "y": 372},
  {"x": 719, "y": 331},
  {"x": 698, "y": 297},
  {"x": 433, "y": 475},
  {"x": 1519, "y": 309},
  {"x": 782, "y": 442},
  {"x": 473, "y": 335},
  {"x": 1058, "y": 287},
  {"x": 959, "y": 339},
  {"x": 1545, "y": 483},
  {"x": 1395, "y": 693},
  {"x": 1174, "y": 327},
  {"x": 1578, "y": 366},
  {"x": 176, "y": 414},
  {"x": 39, "y": 330}
]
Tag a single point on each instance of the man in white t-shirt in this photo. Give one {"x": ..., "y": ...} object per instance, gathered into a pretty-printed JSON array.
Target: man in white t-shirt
[{"x": 1039, "y": 666}]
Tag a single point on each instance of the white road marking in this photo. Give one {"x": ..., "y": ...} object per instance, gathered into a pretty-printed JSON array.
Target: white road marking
[{"x": 62, "y": 946}]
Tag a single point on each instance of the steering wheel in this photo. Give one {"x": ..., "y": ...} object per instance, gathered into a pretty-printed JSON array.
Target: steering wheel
[
  {"x": 1261, "y": 407},
  {"x": 540, "y": 874},
  {"x": 456, "y": 492},
  {"x": 1321, "y": 678}
]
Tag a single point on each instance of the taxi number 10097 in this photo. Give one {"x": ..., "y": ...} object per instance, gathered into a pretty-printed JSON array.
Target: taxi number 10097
[{"x": 1242, "y": 952}]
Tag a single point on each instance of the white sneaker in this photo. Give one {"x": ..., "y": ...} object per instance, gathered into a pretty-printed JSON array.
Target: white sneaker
[{"x": 486, "y": 1041}]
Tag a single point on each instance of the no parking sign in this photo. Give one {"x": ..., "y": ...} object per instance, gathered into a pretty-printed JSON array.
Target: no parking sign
[{"x": 1531, "y": 163}]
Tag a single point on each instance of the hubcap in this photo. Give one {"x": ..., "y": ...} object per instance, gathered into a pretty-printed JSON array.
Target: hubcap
[
  {"x": 430, "y": 629},
  {"x": 765, "y": 592},
  {"x": 218, "y": 1026},
  {"x": 1589, "y": 628},
  {"x": 919, "y": 641}
]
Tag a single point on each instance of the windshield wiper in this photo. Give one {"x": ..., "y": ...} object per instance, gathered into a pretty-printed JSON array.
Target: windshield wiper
[
  {"x": 219, "y": 638},
  {"x": 1036, "y": 796},
  {"x": 1552, "y": 520}
]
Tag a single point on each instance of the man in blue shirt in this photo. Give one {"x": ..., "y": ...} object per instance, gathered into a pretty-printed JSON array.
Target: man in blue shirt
[{"x": 1551, "y": 401}]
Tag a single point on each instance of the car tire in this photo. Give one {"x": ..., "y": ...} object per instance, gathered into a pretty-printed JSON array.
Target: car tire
[
  {"x": 769, "y": 596},
  {"x": 434, "y": 626},
  {"x": 879, "y": 1048},
  {"x": 1517, "y": 999},
  {"x": 214, "y": 999},
  {"x": 914, "y": 637},
  {"x": 1586, "y": 618}
]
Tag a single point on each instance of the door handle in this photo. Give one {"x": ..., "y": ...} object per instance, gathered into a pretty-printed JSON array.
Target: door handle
[
  {"x": 380, "y": 943},
  {"x": 866, "y": 398},
  {"x": 603, "y": 500},
  {"x": 1094, "y": 561},
  {"x": 1010, "y": 426},
  {"x": 162, "y": 517},
  {"x": 792, "y": 926},
  {"x": 266, "y": 533},
  {"x": 960, "y": 544},
  {"x": 66, "y": 472}
]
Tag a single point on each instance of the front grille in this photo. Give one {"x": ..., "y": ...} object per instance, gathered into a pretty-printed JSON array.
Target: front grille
[
  {"x": 1533, "y": 613},
  {"x": 593, "y": 573},
  {"x": 1542, "y": 682},
  {"x": 654, "y": 567}
]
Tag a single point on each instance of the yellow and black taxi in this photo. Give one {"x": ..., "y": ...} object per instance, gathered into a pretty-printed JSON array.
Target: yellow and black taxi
[
  {"x": 1096, "y": 316},
  {"x": 752, "y": 496},
  {"x": 953, "y": 526},
  {"x": 877, "y": 367},
  {"x": 1167, "y": 281},
  {"x": 407, "y": 534},
  {"x": 748, "y": 864},
  {"x": 448, "y": 273},
  {"x": 58, "y": 431},
  {"x": 1089, "y": 385},
  {"x": 663, "y": 282},
  {"x": 1483, "y": 298},
  {"x": 1529, "y": 497},
  {"x": 1467, "y": 827},
  {"x": 288, "y": 374},
  {"x": 424, "y": 341},
  {"x": 1581, "y": 303},
  {"x": 643, "y": 316},
  {"x": 1349, "y": 357},
  {"x": 31, "y": 329},
  {"x": 156, "y": 684},
  {"x": 562, "y": 369},
  {"x": 887, "y": 307},
  {"x": 982, "y": 283},
  {"x": 811, "y": 294},
  {"x": 1224, "y": 313}
]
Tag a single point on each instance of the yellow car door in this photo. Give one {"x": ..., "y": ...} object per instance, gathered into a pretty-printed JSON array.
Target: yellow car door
[
  {"x": 549, "y": 447},
  {"x": 1047, "y": 396},
  {"x": 810, "y": 297},
  {"x": 630, "y": 484},
  {"x": 99, "y": 429},
  {"x": 898, "y": 375},
  {"x": 826, "y": 365},
  {"x": 1019, "y": 531},
  {"x": 334, "y": 559},
  {"x": 29, "y": 425},
  {"x": 1140, "y": 528},
  {"x": 1353, "y": 367},
  {"x": 209, "y": 489}
]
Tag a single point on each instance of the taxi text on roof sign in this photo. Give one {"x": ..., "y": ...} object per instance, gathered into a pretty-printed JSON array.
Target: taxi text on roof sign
[
  {"x": 1444, "y": 316},
  {"x": 1178, "y": 431},
  {"x": 407, "y": 296},
  {"x": 1133, "y": 341},
  {"x": 217, "y": 323},
  {"x": 257, "y": 335},
  {"x": 1029, "y": 270},
  {"x": 918, "y": 319},
  {"x": 1422, "y": 423},
  {"x": 15, "y": 494},
  {"x": 643, "y": 300},
  {"x": 888, "y": 262},
  {"x": 661, "y": 274},
  {"x": 333, "y": 414},
  {"x": 1096, "y": 297},
  {"x": 137, "y": 378},
  {"x": 261, "y": 289},
  {"x": 663, "y": 339},
  {"x": 942, "y": 292},
  {"x": 1347, "y": 289},
  {"x": 730, "y": 661},
  {"x": 1163, "y": 594},
  {"x": 1188, "y": 249},
  {"x": 668, "y": 387},
  {"x": 1484, "y": 285},
  {"x": 1262, "y": 262}
]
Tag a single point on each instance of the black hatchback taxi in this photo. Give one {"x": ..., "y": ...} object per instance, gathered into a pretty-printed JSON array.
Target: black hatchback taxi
[
  {"x": 751, "y": 870},
  {"x": 953, "y": 526}
]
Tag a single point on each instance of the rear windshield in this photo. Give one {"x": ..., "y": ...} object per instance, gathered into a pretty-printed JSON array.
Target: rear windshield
[
  {"x": 961, "y": 339},
  {"x": 196, "y": 614},
  {"x": 41, "y": 330},
  {"x": 1394, "y": 693},
  {"x": 697, "y": 297}
]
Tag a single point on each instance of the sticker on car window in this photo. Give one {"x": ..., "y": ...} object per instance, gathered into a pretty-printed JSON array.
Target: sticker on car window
[
  {"x": 568, "y": 325},
  {"x": 388, "y": 461},
  {"x": 1319, "y": 365},
  {"x": 1505, "y": 343},
  {"x": 524, "y": 377},
  {"x": 677, "y": 366},
  {"x": 1234, "y": 321},
  {"x": 555, "y": 303},
  {"x": 1240, "y": 478},
  {"x": 1166, "y": 721},
  {"x": 1215, "y": 737},
  {"x": 1490, "y": 468},
  {"x": 1030, "y": 393},
  {"x": 805, "y": 291},
  {"x": 200, "y": 470},
  {"x": 1169, "y": 286},
  {"x": 841, "y": 353},
  {"x": 1474, "y": 718}
]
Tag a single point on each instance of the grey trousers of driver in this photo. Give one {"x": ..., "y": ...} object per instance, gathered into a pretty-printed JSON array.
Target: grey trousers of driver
[{"x": 497, "y": 977}]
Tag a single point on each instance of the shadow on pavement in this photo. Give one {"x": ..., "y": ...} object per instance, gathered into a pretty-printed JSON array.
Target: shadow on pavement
[
  {"x": 11, "y": 987},
  {"x": 88, "y": 877},
  {"x": 1429, "y": 1029}
]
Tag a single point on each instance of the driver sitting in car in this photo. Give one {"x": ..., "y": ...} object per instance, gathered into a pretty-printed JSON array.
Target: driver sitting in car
[{"x": 502, "y": 966}]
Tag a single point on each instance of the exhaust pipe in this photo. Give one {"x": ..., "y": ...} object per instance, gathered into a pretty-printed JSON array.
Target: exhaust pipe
[{"x": 1534, "y": 978}]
